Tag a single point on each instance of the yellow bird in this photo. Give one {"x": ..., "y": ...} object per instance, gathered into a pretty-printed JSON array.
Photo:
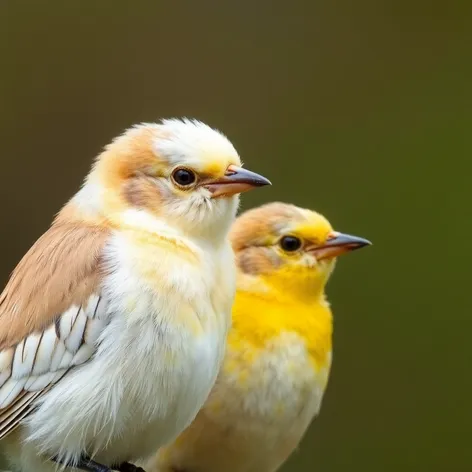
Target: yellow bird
[{"x": 278, "y": 354}]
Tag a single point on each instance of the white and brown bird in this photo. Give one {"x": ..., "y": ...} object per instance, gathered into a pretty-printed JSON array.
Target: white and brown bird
[{"x": 113, "y": 325}]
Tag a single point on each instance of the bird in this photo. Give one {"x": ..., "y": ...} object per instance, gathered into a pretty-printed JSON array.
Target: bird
[
  {"x": 279, "y": 349},
  {"x": 113, "y": 325}
]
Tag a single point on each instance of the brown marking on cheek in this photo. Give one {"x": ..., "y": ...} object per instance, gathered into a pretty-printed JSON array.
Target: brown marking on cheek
[
  {"x": 142, "y": 192},
  {"x": 257, "y": 260},
  {"x": 133, "y": 193},
  {"x": 245, "y": 263}
]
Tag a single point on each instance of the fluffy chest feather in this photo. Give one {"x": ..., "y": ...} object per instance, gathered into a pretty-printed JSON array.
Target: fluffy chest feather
[
  {"x": 176, "y": 319},
  {"x": 277, "y": 384},
  {"x": 274, "y": 375},
  {"x": 189, "y": 288}
]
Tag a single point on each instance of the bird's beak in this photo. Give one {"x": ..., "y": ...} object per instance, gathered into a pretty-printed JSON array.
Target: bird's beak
[
  {"x": 337, "y": 244},
  {"x": 236, "y": 180}
]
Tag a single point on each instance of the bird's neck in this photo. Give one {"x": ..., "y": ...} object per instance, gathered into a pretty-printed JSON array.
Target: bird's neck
[{"x": 291, "y": 287}]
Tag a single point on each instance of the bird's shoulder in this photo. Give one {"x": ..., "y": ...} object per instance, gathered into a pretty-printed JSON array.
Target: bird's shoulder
[{"x": 62, "y": 269}]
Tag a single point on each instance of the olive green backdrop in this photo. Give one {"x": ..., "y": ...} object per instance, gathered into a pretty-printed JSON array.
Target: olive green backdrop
[{"x": 360, "y": 109}]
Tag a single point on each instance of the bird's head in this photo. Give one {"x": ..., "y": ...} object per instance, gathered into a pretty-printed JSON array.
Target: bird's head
[
  {"x": 290, "y": 248},
  {"x": 178, "y": 173}
]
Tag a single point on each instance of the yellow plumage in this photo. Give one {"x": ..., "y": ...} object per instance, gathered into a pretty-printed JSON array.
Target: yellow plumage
[
  {"x": 258, "y": 319},
  {"x": 278, "y": 354}
]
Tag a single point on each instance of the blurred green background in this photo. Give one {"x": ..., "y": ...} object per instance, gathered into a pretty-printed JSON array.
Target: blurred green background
[{"x": 359, "y": 109}]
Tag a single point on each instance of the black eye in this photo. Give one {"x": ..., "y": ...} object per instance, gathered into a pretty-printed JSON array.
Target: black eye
[
  {"x": 184, "y": 177},
  {"x": 290, "y": 243}
]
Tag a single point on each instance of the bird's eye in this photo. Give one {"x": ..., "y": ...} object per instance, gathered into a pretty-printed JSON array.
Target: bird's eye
[
  {"x": 183, "y": 177},
  {"x": 290, "y": 243}
]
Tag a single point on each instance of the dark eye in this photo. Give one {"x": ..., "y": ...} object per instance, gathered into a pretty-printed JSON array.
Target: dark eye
[
  {"x": 290, "y": 243},
  {"x": 184, "y": 177}
]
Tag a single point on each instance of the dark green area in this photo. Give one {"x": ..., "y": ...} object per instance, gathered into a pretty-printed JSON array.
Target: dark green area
[{"x": 361, "y": 110}]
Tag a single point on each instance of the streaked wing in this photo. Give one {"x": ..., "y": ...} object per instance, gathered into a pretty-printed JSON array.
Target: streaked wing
[
  {"x": 51, "y": 317},
  {"x": 41, "y": 359}
]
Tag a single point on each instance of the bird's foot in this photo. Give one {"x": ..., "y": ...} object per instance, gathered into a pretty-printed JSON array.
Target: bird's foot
[
  {"x": 127, "y": 467},
  {"x": 87, "y": 464}
]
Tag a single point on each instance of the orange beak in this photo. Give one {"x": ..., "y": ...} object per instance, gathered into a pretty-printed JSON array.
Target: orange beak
[
  {"x": 236, "y": 180},
  {"x": 337, "y": 244}
]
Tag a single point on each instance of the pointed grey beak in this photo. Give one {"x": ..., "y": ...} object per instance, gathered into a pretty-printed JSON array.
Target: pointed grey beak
[
  {"x": 236, "y": 180},
  {"x": 337, "y": 244}
]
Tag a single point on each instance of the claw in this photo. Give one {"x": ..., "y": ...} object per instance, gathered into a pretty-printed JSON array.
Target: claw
[
  {"x": 127, "y": 467},
  {"x": 86, "y": 464}
]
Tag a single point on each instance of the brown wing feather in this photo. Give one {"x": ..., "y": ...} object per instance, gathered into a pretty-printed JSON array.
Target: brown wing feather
[
  {"x": 62, "y": 268},
  {"x": 51, "y": 314}
]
